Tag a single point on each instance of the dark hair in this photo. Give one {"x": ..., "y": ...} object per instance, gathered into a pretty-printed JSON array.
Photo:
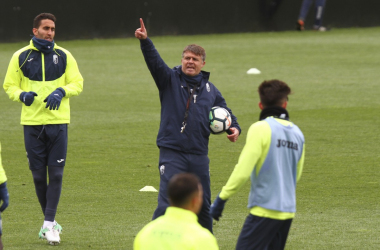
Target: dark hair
[
  {"x": 196, "y": 49},
  {"x": 42, "y": 16},
  {"x": 181, "y": 188},
  {"x": 273, "y": 92}
]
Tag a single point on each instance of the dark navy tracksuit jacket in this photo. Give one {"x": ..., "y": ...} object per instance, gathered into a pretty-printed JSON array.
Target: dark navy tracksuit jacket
[
  {"x": 173, "y": 96},
  {"x": 187, "y": 151}
]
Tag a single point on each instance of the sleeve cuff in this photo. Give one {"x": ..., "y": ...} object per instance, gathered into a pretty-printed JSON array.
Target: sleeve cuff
[
  {"x": 62, "y": 90},
  {"x": 223, "y": 196},
  {"x": 145, "y": 41}
]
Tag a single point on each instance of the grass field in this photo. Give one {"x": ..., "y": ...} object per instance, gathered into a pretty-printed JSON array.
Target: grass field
[{"x": 114, "y": 123}]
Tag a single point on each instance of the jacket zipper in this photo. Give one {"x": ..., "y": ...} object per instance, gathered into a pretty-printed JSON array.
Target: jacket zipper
[{"x": 43, "y": 66}]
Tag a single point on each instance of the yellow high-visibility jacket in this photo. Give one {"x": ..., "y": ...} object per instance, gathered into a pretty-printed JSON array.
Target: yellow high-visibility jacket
[
  {"x": 32, "y": 70},
  {"x": 3, "y": 177},
  {"x": 176, "y": 229},
  {"x": 263, "y": 159}
]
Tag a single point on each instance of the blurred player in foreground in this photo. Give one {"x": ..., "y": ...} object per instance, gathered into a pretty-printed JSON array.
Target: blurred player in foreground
[
  {"x": 273, "y": 158},
  {"x": 43, "y": 76},
  {"x": 186, "y": 97},
  {"x": 4, "y": 197},
  {"x": 178, "y": 228}
]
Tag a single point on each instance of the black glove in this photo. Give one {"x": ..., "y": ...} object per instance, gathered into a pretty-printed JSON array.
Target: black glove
[
  {"x": 28, "y": 97},
  {"x": 4, "y": 196},
  {"x": 54, "y": 99},
  {"x": 217, "y": 207}
]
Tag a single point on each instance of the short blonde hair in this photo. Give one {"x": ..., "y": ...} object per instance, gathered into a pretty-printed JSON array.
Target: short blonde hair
[{"x": 196, "y": 49}]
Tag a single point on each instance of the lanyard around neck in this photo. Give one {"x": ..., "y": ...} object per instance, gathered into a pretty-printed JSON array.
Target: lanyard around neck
[{"x": 191, "y": 97}]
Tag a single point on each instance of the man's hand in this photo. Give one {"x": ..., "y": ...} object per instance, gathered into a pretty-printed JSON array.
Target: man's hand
[
  {"x": 234, "y": 134},
  {"x": 141, "y": 32},
  {"x": 4, "y": 196},
  {"x": 54, "y": 99},
  {"x": 28, "y": 97},
  {"x": 217, "y": 207}
]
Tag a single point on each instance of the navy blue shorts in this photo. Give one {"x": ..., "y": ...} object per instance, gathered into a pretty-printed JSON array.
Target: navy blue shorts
[
  {"x": 46, "y": 145},
  {"x": 263, "y": 234},
  {"x": 173, "y": 162}
]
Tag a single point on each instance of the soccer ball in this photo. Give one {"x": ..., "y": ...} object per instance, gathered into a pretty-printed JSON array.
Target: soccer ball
[{"x": 220, "y": 120}]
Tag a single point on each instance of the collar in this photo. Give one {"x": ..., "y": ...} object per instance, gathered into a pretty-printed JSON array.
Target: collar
[
  {"x": 181, "y": 214},
  {"x": 192, "y": 79},
  {"x": 205, "y": 74},
  {"x": 42, "y": 45},
  {"x": 276, "y": 112}
]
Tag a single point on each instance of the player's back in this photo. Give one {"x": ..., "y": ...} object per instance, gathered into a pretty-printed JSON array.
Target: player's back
[{"x": 177, "y": 229}]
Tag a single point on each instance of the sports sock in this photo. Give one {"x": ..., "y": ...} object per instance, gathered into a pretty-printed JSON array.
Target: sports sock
[
  {"x": 53, "y": 192},
  {"x": 40, "y": 184},
  {"x": 48, "y": 224}
]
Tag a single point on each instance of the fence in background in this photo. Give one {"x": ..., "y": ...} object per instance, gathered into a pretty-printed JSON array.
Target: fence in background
[{"x": 85, "y": 19}]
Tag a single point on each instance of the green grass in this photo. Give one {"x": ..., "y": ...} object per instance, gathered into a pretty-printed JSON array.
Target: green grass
[{"x": 112, "y": 153}]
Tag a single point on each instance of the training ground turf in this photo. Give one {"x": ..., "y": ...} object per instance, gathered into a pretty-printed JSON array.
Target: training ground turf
[{"x": 112, "y": 153}]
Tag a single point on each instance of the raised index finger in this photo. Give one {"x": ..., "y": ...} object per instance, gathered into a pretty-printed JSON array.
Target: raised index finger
[{"x": 142, "y": 25}]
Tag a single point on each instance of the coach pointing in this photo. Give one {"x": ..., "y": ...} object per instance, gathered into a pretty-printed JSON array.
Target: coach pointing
[{"x": 186, "y": 97}]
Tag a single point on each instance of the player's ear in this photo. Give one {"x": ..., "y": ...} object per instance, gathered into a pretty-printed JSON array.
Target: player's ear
[
  {"x": 261, "y": 106},
  {"x": 285, "y": 104}
]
